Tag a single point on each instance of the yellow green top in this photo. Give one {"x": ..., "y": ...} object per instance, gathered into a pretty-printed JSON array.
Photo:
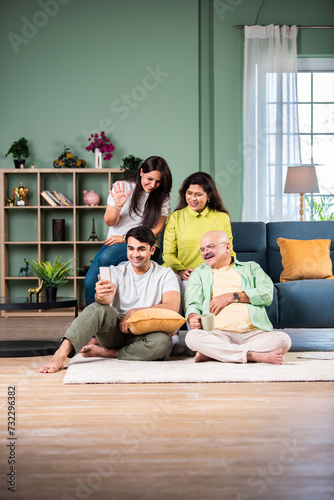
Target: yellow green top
[{"x": 183, "y": 233}]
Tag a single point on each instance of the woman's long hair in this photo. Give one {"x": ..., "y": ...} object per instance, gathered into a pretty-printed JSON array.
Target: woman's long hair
[
  {"x": 155, "y": 200},
  {"x": 208, "y": 185}
]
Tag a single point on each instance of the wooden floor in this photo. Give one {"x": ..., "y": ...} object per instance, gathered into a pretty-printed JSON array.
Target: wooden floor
[{"x": 163, "y": 441}]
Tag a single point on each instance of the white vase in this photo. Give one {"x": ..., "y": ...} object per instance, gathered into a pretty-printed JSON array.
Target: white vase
[{"x": 98, "y": 158}]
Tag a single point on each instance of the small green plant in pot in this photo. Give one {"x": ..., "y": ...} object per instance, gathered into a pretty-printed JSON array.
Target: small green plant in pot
[
  {"x": 19, "y": 149},
  {"x": 130, "y": 165},
  {"x": 53, "y": 274}
]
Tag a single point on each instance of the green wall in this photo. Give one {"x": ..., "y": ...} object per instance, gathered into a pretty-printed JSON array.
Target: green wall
[
  {"x": 159, "y": 77},
  {"x": 127, "y": 67}
]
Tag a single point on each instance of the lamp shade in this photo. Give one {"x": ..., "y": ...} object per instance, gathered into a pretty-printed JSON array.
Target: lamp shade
[{"x": 301, "y": 179}]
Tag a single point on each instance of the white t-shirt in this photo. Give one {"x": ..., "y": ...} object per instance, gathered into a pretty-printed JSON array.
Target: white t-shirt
[
  {"x": 127, "y": 221},
  {"x": 144, "y": 290}
]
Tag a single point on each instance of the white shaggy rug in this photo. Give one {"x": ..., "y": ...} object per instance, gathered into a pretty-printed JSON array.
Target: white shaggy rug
[{"x": 297, "y": 366}]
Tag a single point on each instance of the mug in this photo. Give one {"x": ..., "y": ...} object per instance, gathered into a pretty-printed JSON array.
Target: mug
[{"x": 208, "y": 321}]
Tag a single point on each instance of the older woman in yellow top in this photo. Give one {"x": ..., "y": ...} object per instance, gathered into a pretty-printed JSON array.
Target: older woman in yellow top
[{"x": 200, "y": 210}]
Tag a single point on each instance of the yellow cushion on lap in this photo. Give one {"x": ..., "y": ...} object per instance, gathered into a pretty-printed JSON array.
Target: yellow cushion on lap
[
  {"x": 155, "y": 319},
  {"x": 305, "y": 259}
]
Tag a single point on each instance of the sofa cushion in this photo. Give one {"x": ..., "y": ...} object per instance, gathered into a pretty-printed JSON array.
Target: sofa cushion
[
  {"x": 306, "y": 304},
  {"x": 249, "y": 242},
  {"x": 305, "y": 259},
  {"x": 306, "y": 230},
  {"x": 155, "y": 319}
]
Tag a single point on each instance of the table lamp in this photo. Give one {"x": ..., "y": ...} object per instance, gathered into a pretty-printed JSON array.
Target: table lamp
[{"x": 301, "y": 179}]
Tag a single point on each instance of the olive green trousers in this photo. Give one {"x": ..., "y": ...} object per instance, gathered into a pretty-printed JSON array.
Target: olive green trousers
[{"x": 103, "y": 322}]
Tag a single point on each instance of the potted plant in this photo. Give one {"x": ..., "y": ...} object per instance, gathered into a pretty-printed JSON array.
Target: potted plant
[
  {"x": 130, "y": 165},
  {"x": 19, "y": 149},
  {"x": 52, "y": 275}
]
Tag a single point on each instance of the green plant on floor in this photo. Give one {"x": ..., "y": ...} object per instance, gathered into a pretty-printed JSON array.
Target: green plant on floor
[
  {"x": 53, "y": 274},
  {"x": 130, "y": 165},
  {"x": 19, "y": 149},
  {"x": 322, "y": 209}
]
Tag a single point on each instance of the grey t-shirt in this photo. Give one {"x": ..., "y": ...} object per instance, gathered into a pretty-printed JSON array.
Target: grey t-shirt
[{"x": 144, "y": 290}]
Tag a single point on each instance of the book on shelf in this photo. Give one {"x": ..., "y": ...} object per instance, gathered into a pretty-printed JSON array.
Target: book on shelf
[
  {"x": 47, "y": 198},
  {"x": 56, "y": 199},
  {"x": 63, "y": 198},
  {"x": 59, "y": 199}
]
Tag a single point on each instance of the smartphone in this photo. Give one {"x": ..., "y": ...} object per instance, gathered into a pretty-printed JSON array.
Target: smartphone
[{"x": 105, "y": 273}]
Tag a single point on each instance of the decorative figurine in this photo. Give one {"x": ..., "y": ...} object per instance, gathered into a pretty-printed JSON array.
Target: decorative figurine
[
  {"x": 93, "y": 235},
  {"x": 24, "y": 269},
  {"x": 90, "y": 198},
  {"x": 21, "y": 192},
  {"x": 36, "y": 291},
  {"x": 10, "y": 201},
  {"x": 68, "y": 160}
]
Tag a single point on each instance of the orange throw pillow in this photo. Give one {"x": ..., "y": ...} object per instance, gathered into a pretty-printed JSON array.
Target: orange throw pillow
[
  {"x": 305, "y": 259},
  {"x": 155, "y": 319}
]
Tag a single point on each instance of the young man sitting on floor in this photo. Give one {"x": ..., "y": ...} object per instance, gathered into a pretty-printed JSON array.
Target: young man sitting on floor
[
  {"x": 137, "y": 284},
  {"x": 236, "y": 293}
]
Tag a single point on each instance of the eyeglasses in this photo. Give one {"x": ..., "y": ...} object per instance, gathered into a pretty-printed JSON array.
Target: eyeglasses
[{"x": 212, "y": 246}]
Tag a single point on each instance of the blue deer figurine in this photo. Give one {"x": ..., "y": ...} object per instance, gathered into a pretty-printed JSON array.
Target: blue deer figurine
[{"x": 24, "y": 269}]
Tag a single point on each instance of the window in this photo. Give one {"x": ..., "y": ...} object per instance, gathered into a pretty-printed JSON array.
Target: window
[{"x": 315, "y": 84}]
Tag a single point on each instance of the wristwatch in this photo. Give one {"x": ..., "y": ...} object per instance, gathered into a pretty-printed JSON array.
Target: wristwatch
[
  {"x": 124, "y": 237},
  {"x": 236, "y": 297}
]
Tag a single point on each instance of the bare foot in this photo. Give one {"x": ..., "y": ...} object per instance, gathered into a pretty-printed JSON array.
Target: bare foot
[
  {"x": 55, "y": 364},
  {"x": 272, "y": 357},
  {"x": 57, "y": 361},
  {"x": 199, "y": 357},
  {"x": 95, "y": 351}
]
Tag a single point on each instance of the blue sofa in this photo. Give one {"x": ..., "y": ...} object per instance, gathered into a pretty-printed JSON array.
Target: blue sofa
[{"x": 296, "y": 304}]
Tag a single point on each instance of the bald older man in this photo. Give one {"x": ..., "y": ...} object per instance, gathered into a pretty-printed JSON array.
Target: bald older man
[{"x": 236, "y": 293}]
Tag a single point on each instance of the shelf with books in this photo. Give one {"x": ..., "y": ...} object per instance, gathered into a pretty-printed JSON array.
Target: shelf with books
[
  {"x": 56, "y": 199},
  {"x": 49, "y": 207},
  {"x": 26, "y": 231}
]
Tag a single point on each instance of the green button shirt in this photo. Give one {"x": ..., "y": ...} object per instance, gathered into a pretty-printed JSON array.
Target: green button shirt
[{"x": 255, "y": 283}]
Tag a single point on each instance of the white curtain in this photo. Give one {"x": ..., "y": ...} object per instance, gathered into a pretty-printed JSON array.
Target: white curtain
[{"x": 271, "y": 132}]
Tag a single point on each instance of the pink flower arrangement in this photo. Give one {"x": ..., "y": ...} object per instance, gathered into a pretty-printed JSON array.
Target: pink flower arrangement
[{"x": 102, "y": 143}]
